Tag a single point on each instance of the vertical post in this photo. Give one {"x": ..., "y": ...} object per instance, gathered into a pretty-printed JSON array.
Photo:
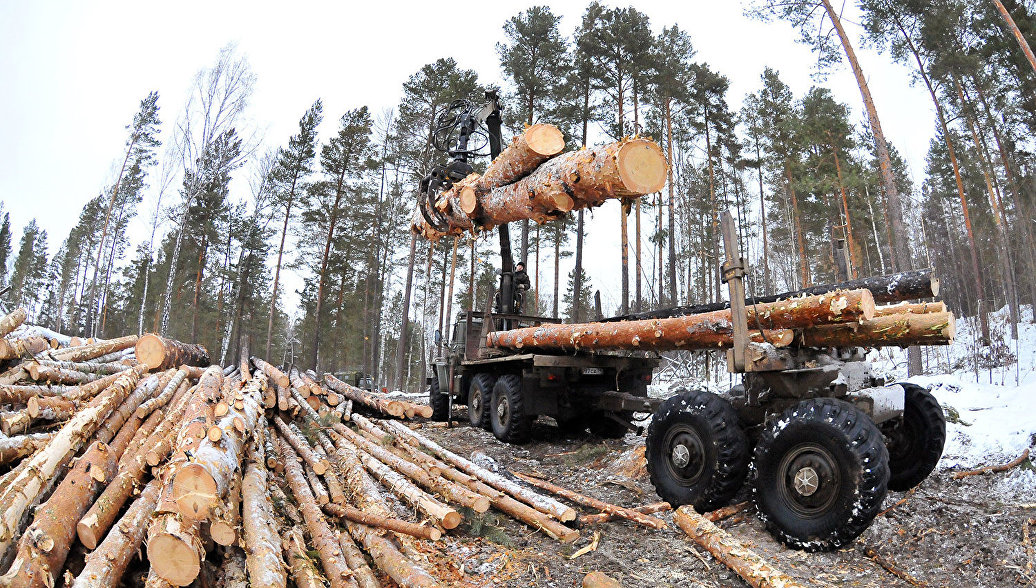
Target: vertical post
[{"x": 733, "y": 274}]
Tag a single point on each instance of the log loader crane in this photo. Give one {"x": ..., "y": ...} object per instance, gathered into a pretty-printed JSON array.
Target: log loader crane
[{"x": 818, "y": 435}]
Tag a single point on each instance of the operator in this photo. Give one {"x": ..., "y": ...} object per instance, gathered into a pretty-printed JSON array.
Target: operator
[{"x": 521, "y": 285}]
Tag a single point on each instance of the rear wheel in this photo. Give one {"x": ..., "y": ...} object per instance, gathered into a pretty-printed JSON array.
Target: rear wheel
[
  {"x": 914, "y": 441},
  {"x": 439, "y": 402},
  {"x": 697, "y": 453},
  {"x": 820, "y": 474},
  {"x": 480, "y": 395},
  {"x": 507, "y": 415}
]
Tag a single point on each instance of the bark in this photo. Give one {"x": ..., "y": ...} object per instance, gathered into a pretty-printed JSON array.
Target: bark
[
  {"x": 89, "y": 367},
  {"x": 324, "y": 539},
  {"x": 46, "y": 373},
  {"x": 277, "y": 271},
  {"x": 575, "y": 180},
  {"x": 580, "y": 499},
  {"x": 106, "y": 564},
  {"x": 13, "y": 394},
  {"x": 12, "y": 448},
  {"x": 17, "y": 348},
  {"x": 389, "y": 560},
  {"x": 701, "y": 331},
  {"x": 527, "y": 151},
  {"x": 741, "y": 560},
  {"x": 197, "y": 486},
  {"x": 911, "y": 285},
  {"x": 303, "y": 571},
  {"x": 897, "y": 329},
  {"x": 262, "y": 550},
  {"x": 165, "y": 395},
  {"x": 907, "y": 308},
  {"x": 58, "y": 408},
  {"x": 94, "y": 350},
  {"x": 62, "y": 447},
  {"x": 12, "y": 321},
  {"x": 1011, "y": 26},
  {"x": 541, "y": 503},
  {"x": 161, "y": 353},
  {"x": 350, "y": 513}
]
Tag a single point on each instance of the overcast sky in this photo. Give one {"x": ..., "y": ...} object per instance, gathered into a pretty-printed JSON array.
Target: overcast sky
[{"x": 73, "y": 74}]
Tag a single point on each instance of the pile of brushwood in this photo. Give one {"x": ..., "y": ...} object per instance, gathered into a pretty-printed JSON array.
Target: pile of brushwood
[{"x": 132, "y": 460}]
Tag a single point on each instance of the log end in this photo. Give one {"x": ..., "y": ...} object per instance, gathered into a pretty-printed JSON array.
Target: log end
[
  {"x": 34, "y": 407},
  {"x": 481, "y": 504},
  {"x": 545, "y": 139},
  {"x": 467, "y": 200},
  {"x": 568, "y": 515},
  {"x": 194, "y": 491},
  {"x": 173, "y": 559},
  {"x": 452, "y": 520},
  {"x": 222, "y": 533},
  {"x": 87, "y": 534},
  {"x": 150, "y": 350},
  {"x": 34, "y": 370},
  {"x": 642, "y": 166}
]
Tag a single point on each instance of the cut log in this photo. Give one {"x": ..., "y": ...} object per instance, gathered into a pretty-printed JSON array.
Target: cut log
[
  {"x": 263, "y": 556},
  {"x": 575, "y": 180},
  {"x": 301, "y": 447},
  {"x": 22, "y": 348},
  {"x": 442, "y": 514},
  {"x": 12, "y": 448},
  {"x": 727, "y": 511},
  {"x": 60, "y": 408},
  {"x": 910, "y": 308},
  {"x": 324, "y": 540},
  {"x": 106, "y": 564},
  {"x": 12, "y": 321},
  {"x": 206, "y": 478},
  {"x": 170, "y": 388},
  {"x": 350, "y": 513},
  {"x": 604, "y": 517},
  {"x": 389, "y": 559},
  {"x": 372, "y": 400},
  {"x": 161, "y": 353},
  {"x": 541, "y": 503},
  {"x": 46, "y": 373},
  {"x": 18, "y": 394},
  {"x": 450, "y": 492},
  {"x": 527, "y": 151},
  {"x": 316, "y": 485},
  {"x": 89, "y": 367},
  {"x": 276, "y": 376},
  {"x": 699, "y": 331},
  {"x": 901, "y": 330},
  {"x": 335, "y": 489},
  {"x": 581, "y": 499},
  {"x": 61, "y": 448},
  {"x": 233, "y": 573},
  {"x": 741, "y": 560},
  {"x": 362, "y": 573},
  {"x": 174, "y": 546},
  {"x": 94, "y": 350},
  {"x": 912, "y": 285},
  {"x": 225, "y": 518},
  {"x": 303, "y": 571}
]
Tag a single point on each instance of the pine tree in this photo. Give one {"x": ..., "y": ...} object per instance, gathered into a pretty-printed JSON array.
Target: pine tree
[
  {"x": 5, "y": 245},
  {"x": 30, "y": 269},
  {"x": 293, "y": 166}
]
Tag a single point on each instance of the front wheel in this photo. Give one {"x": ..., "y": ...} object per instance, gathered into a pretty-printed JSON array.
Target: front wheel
[
  {"x": 697, "y": 453},
  {"x": 439, "y": 402},
  {"x": 507, "y": 413},
  {"x": 914, "y": 441},
  {"x": 820, "y": 474}
]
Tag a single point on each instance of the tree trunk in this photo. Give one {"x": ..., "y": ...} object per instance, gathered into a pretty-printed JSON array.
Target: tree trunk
[
  {"x": 803, "y": 263},
  {"x": 1017, "y": 33},
  {"x": 401, "y": 347},
  {"x": 667, "y": 104},
  {"x": 277, "y": 270},
  {"x": 853, "y": 253},
  {"x": 318, "y": 315},
  {"x": 12, "y": 321}
]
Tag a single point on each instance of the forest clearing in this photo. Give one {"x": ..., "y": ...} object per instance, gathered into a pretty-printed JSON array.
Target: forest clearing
[{"x": 600, "y": 311}]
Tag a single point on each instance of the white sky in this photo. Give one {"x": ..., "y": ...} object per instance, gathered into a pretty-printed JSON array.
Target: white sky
[{"x": 73, "y": 73}]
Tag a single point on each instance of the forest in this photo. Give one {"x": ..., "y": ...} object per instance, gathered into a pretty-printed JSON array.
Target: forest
[{"x": 800, "y": 171}]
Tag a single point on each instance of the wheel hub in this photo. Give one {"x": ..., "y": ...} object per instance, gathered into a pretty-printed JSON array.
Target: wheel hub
[
  {"x": 476, "y": 402},
  {"x": 806, "y": 481},
  {"x": 686, "y": 455},
  {"x": 501, "y": 410},
  {"x": 681, "y": 456}
]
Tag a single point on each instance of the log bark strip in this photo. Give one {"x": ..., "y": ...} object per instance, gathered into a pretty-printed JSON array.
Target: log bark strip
[
  {"x": 604, "y": 517},
  {"x": 699, "y": 331},
  {"x": 902, "y": 330},
  {"x": 626, "y": 513},
  {"x": 160, "y": 353},
  {"x": 741, "y": 560},
  {"x": 575, "y": 180},
  {"x": 372, "y": 400},
  {"x": 28, "y": 347}
]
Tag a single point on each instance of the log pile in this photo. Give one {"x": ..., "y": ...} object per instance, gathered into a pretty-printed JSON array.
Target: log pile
[
  {"x": 125, "y": 469},
  {"x": 532, "y": 180},
  {"x": 834, "y": 318}
]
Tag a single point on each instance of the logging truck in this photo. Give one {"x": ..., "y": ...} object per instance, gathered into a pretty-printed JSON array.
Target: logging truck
[{"x": 820, "y": 437}]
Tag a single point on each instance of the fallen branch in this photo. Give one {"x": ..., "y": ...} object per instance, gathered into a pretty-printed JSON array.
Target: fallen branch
[
  {"x": 994, "y": 469},
  {"x": 626, "y": 513},
  {"x": 891, "y": 568},
  {"x": 604, "y": 517},
  {"x": 727, "y": 511}
]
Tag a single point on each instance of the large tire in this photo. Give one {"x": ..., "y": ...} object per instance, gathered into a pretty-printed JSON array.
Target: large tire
[
  {"x": 439, "y": 402},
  {"x": 480, "y": 396},
  {"x": 697, "y": 453},
  {"x": 914, "y": 442},
  {"x": 820, "y": 474},
  {"x": 507, "y": 413}
]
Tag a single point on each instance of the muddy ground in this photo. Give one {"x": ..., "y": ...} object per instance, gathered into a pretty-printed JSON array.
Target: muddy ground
[{"x": 946, "y": 533}]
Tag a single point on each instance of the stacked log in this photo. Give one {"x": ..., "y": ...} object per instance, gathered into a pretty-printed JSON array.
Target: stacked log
[
  {"x": 550, "y": 187},
  {"x": 160, "y": 353}
]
